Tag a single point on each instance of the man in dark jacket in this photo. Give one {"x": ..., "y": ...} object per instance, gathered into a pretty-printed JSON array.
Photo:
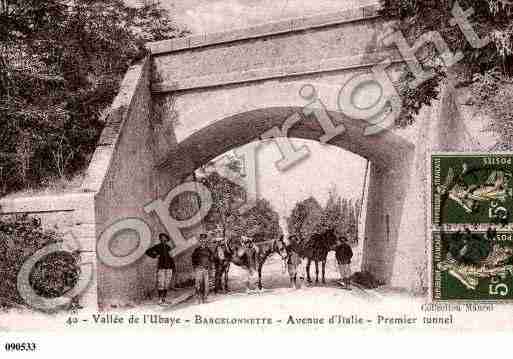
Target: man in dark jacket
[
  {"x": 202, "y": 261},
  {"x": 165, "y": 265},
  {"x": 343, "y": 254}
]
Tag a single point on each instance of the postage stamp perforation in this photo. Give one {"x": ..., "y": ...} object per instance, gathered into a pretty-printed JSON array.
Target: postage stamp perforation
[{"x": 472, "y": 226}]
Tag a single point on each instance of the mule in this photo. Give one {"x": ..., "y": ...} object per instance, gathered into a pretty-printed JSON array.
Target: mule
[
  {"x": 249, "y": 256},
  {"x": 316, "y": 250},
  {"x": 265, "y": 250}
]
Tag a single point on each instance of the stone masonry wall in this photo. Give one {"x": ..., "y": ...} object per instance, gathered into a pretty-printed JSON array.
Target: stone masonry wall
[
  {"x": 121, "y": 174},
  {"x": 70, "y": 214}
]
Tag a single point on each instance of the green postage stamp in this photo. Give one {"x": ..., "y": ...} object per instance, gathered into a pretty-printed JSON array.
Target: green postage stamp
[
  {"x": 472, "y": 215},
  {"x": 472, "y": 189},
  {"x": 473, "y": 265}
]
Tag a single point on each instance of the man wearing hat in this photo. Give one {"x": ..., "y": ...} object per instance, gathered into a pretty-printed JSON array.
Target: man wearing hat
[
  {"x": 165, "y": 265},
  {"x": 202, "y": 260}
]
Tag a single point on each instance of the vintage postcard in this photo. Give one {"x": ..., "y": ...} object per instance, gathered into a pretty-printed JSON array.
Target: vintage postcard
[{"x": 240, "y": 166}]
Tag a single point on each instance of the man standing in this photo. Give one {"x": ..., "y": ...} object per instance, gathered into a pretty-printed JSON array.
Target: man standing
[
  {"x": 343, "y": 254},
  {"x": 251, "y": 251},
  {"x": 165, "y": 265},
  {"x": 202, "y": 261}
]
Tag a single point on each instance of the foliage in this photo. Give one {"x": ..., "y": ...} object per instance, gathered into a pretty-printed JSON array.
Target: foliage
[
  {"x": 304, "y": 218},
  {"x": 61, "y": 63},
  {"x": 297, "y": 218},
  {"x": 493, "y": 95},
  {"x": 309, "y": 217},
  {"x": 489, "y": 66},
  {"x": 226, "y": 199},
  {"x": 52, "y": 276},
  {"x": 340, "y": 214},
  {"x": 260, "y": 221}
]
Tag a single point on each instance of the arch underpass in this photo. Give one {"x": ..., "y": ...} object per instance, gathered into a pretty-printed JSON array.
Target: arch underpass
[
  {"x": 197, "y": 97},
  {"x": 391, "y": 159}
]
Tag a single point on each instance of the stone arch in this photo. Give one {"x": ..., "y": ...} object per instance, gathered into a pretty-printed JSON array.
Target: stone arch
[
  {"x": 198, "y": 96},
  {"x": 391, "y": 158}
]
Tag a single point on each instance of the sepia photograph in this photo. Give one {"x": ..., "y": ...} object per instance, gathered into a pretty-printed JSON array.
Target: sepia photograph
[{"x": 217, "y": 166}]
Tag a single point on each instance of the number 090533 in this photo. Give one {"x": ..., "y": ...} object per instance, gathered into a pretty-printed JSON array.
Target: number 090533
[{"x": 20, "y": 347}]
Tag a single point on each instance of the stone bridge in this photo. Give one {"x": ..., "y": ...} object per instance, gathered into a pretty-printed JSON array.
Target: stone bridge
[{"x": 197, "y": 97}]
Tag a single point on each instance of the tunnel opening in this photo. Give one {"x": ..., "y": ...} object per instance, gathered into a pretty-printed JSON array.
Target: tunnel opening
[
  {"x": 387, "y": 159},
  {"x": 331, "y": 182}
]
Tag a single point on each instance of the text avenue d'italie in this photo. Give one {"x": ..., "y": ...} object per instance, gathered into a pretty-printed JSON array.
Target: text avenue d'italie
[{"x": 432, "y": 316}]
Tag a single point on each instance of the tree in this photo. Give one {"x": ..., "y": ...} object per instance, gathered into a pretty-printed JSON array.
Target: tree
[
  {"x": 486, "y": 70},
  {"x": 351, "y": 229},
  {"x": 332, "y": 215},
  {"x": 61, "y": 63},
  {"x": 261, "y": 221},
  {"x": 340, "y": 214},
  {"x": 296, "y": 219},
  {"x": 227, "y": 197},
  {"x": 304, "y": 218}
]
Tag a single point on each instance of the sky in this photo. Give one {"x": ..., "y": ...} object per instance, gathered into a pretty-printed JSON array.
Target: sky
[
  {"x": 201, "y": 16},
  {"x": 326, "y": 165}
]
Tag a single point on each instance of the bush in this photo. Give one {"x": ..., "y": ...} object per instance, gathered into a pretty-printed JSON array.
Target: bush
[
  {"x": 61, "y": 63},
  {"x": 52, "y": 276}
]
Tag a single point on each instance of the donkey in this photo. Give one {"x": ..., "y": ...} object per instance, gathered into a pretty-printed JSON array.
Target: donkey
[
  {"x": 248, "y": 255},
  {"x": 316, "y": 249},
  {"x": 265, "y": 250}
]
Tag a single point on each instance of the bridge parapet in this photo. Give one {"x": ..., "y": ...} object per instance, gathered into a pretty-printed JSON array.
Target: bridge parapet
[
  {"x": 264, "y": 30},
  {"x": 295, "y": 47}
]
